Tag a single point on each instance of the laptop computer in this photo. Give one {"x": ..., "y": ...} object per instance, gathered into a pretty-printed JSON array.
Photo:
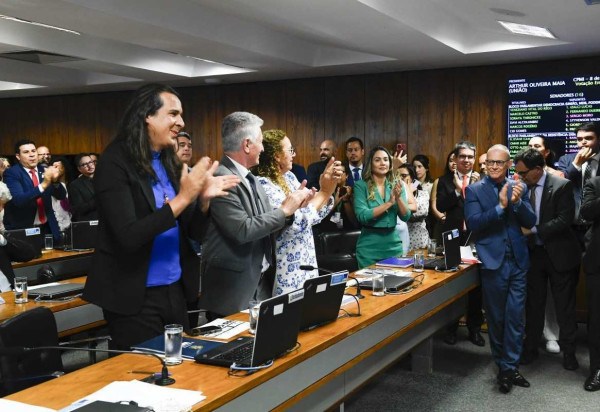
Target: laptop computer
[
  {"x": 53, "y": 292},
  {"x": 391, "y": 283},
  {"x": 451, "y": 258},
  {"x": 83, "y": 235},
  {"x": 322, "y": 299},
  {"x": 276, "y": 333},
  {"x": 33, "y": 236}
]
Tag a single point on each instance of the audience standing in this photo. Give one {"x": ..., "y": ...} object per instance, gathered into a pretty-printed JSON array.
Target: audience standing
[
  {"x": 294, "y": 245},
  {"x": 32, "y": 188},
  {"x": 143, "y": 271},
  {"x": 184, "y": 148},
  {"x": 326, "y": 151},
  {"x": 417, "y": 228},
  {"x": 554, "y": 255},
  {"x": 237, "y": 255},
  {"x": 378, "y": 200},
  {"x": 495, "y": 212},
  {"x": 81, "y": 190},
  {"x": 355, "y": 153}
]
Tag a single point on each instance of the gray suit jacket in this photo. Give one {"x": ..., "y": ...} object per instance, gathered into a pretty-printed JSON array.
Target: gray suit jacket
[{"x": 233, "y": 245}]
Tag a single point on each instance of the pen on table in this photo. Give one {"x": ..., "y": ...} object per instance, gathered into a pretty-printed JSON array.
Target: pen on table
[{"x": 144, "y": 372}]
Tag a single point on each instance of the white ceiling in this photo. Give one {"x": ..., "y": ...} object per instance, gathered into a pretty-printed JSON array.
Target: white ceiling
[{"x": 126, "y": 42}]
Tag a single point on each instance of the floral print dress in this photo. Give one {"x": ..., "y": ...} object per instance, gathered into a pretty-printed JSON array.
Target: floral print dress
[{"x": 294, "y": 245}]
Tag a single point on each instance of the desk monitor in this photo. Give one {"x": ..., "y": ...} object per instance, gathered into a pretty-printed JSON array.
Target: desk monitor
[
  {"x": 322, "y": 299},
  {"x": 83, "y": 235},
  {"x": 33, "y": 236}
]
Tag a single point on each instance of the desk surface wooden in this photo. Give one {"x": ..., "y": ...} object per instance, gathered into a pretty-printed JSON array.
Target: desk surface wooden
[
  {"x": 213, "y": 381},
  {"x": 51, "y": 256}
]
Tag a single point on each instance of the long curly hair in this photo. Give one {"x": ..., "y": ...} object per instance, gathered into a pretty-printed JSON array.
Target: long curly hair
[
  {"x": 267, "y": 166},
  {"x": 368, "y": 174}
]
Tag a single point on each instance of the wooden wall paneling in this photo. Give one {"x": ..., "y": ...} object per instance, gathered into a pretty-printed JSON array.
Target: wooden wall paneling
[
  {"x": 431, "y": 116},
  {"x": 344, "y": 110},
  {"x": 386, "y": 110},
  {"x": 10, "y": 126},
  {"x": 51, "y": 131},
  {"x": 79, "y": 114},
  {"x": 201, "y": 121},
  {"x": 491, "y": 88},
  {"x": 271, "y": 105},
  {"x": 305, "y": 118},
  {"x": 108, "y": 110}
]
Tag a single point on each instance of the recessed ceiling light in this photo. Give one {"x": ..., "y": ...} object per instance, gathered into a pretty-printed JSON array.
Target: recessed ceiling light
[
  {"x": 35, "y": 23},
  {"x": 527, "y": 29}
]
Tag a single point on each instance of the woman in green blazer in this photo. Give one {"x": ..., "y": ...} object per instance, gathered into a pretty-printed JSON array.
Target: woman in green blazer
[{"x": 378, "y": 199}]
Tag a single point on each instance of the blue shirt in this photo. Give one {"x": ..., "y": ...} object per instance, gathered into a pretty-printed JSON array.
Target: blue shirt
[{"x": 165, "y": 267}]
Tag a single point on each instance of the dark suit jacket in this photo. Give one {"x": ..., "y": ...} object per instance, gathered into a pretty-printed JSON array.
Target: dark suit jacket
[
  {"x": 349, "y": 172},
  {"x": 129, "y": 222},
  {"x": 234, "y": 245},
  {"x": 565, "y": 165},
  {"x": 492, "y": 232},
  {"x": 447, "y": 202},
  {"x": 6, "y": 266},
  {"x": 83, "y": 199},
  {"x": 20, "y": 211},
  {"x": 314, "y": 172},
  {"x": 590, "y": 211},
  {"x": 557, "y": 209}
]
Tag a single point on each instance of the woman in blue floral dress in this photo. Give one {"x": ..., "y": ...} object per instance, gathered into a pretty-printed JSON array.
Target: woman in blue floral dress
[{"x": 294, "y": 245}]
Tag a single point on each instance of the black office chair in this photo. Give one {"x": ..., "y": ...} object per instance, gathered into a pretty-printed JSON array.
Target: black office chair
[
  {"x": 337, "y": 250},
  {"x": 32, "y": 328}
]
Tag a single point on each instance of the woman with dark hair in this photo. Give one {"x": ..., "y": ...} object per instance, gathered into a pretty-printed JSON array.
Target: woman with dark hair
[
  {"x": 144, "y": 270},
  {"x": 378, "y": 199},
  {"x": 417, "y": 228},
  {"x": 439, "y": 217},
  {"x": 421, "y": 164},
  {"x": 294, "y": 245},
  {"x": 62, "y": 208}
]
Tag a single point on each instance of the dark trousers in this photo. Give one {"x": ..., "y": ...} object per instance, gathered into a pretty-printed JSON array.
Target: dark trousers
[
  {"x": 562, "y": 285},
  {"x": 474, "y": 313},
  {"x": 162, "y": 305},
  {"x": 593, "y": 301},
  {"x": 504, "y": 291}
]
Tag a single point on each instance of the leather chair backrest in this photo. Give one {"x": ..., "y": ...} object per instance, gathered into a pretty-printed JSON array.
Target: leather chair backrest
[
  {"x": 32, "y": 328},
  {"x": 338, "y": 242}
]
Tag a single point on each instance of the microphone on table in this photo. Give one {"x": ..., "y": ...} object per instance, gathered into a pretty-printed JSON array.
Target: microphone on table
[
  {"x": 357, "y": 294},
  {"x": 164, "y": 379}
]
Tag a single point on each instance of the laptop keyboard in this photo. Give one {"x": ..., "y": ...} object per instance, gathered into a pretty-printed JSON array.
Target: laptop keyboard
[{"x": 240, "y": 355}]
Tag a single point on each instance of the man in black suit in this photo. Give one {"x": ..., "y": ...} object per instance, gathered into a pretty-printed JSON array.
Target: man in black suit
[
  {"x": 81, "y": 190},
  {"x": 355, "y": 153},
  {"x": 450, "y": 200},
  {"x": 326, "y": 151},
  {"x": 32, "y": 188},
  {"x": 590, "y": 211},
  {"x": 554, "y": 254},
  {"x": 580, "y": 166}
]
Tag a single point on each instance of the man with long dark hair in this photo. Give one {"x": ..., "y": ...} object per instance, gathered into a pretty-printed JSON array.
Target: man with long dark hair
[{"x": 144, "y": 270}]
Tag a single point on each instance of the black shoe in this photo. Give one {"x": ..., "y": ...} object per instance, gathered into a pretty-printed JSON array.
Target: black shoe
[
  {"x": 476, "y": 338},
  {"x": 528, "y": 357},
  {"x": 592, "y": 383},
  {"x": 570, "y": 362},
  {"x": 450, "y": 339},
  {"x": 504, "y": 383},
  {"x": 517, "y": 379}
]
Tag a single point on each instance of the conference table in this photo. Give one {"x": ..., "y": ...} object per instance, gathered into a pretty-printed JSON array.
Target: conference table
[
  {"x": 332, "y": 362},
  {"x": 72, "y": 316},
  {"x": 64, "y": 263}
]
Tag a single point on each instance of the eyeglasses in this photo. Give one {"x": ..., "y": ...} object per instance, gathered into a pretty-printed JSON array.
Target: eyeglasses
[
  {"x": 523, "y": 173},
  {"x": 291, "y": 150},
  {"x": 88, "y": 164},
  {"x": 466, "y": 157},
  {"x": 500, "y": 163},
  {"x": 404, "y": 175}
]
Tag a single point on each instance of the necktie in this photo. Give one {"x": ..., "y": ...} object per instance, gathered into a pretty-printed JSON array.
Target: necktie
[
  {"x": 252, "y": 181},
  {"x": 465, "y": 183},
  {"x": 532, "y": 196},
  {"x": 587, "y": 174},
  {"x": 356, "y": 174},
  {"x": 39, "y": 201},
  {"x": 265, "y": 240}
]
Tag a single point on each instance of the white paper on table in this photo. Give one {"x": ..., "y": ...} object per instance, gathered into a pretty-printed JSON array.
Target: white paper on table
[
  {"x": 466, "y": 255},
  {"x": 14, "y": 406},
  {"x": 229, "y": 328},
  {"x": 145, "y": 395}
]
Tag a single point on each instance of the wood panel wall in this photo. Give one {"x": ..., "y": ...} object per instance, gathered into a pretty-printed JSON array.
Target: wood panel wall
[{"x": 429, "y": 110}]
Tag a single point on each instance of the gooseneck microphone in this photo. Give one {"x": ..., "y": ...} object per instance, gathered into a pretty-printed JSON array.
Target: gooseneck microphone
[
  {"x": 357, "y": 294},
  {"x": 164, "y": 379}
]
